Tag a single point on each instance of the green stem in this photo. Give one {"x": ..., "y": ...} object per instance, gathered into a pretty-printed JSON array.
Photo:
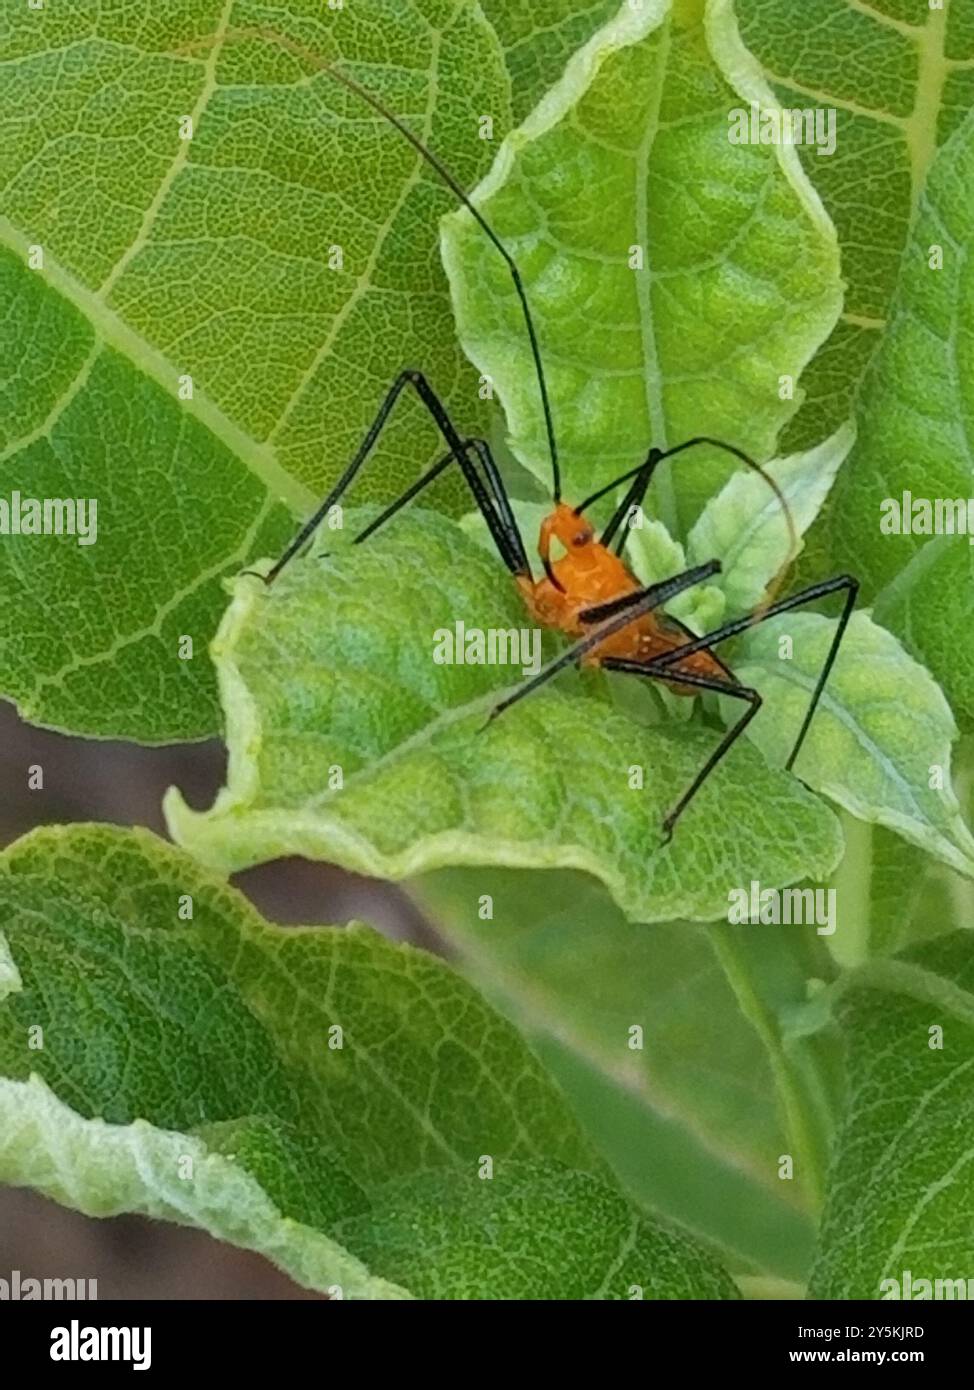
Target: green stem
[
  {"x": 807, "y": 1135},
  {"x": 961, "y": 890},
  {"x": 849, "y": 944}
]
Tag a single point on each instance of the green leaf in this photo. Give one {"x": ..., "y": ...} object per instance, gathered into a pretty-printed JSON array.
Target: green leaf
[
  {"x": 90, "y": 634},
  {"x": 880, "y": 743},
  {"x": 654, "y": 555},
  {"x": 739, "y": 283},
  {"x": 538, "y": 41},
  {"x": 317, "y": 692},
  {"x": 167, "y": 259},
  {"x": 109, "y": 1169},
  {"x": 187, "y": 1068},
  {"x": 543, "y": 1232},
  {"x": 901, "y": 1194},
  {"x": 912, "y": 896},
  {"x": 916, "y": 408},
  {"x": 928, "y": 606},
  {"x": 897, "y": 75},
  {"x": 745, "y": 526},
  {"x": 688, "y": 1118}
]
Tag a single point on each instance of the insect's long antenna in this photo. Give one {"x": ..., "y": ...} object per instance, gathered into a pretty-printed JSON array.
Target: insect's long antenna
[
  {"x": 435, "y": 163},
  {"x": 793, "y": 545},
  {"x": 657, "y": 455}
]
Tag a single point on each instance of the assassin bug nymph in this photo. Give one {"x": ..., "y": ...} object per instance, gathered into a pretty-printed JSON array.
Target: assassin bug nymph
[{"x": 588, "y": 593}]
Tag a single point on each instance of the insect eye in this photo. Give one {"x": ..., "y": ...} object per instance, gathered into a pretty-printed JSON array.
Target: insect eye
[{"x": 581, "y": 538}]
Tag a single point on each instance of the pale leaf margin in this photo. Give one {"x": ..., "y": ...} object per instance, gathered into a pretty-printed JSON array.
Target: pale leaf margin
[
  {"x": 104, "y": 1170},
  {"x": 743, "y": 72}
]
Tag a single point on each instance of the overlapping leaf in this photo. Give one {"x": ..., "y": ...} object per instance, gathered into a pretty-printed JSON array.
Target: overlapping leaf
[
  {"x": 644, "y": 1033},
  {"x": 538, "y": 40},
  {"x": 746, "y": 526}
]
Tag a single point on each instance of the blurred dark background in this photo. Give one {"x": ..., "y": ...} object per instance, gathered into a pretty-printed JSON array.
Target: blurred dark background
[{"x": 87, "y": 780}]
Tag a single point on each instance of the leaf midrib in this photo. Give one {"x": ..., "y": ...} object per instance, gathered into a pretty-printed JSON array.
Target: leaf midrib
[
  {"x": 113, "y": 333},
  {"x": 651, "y": 367},
  {"x": 921, "y": 124}
]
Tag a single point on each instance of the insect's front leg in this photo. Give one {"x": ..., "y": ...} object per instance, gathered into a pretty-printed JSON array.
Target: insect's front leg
[{"x": 497, "y": 513}]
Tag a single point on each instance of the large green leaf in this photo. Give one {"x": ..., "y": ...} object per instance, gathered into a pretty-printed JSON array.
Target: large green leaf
[
  {"x": 331, "y": 670},
  {"x": 93, "y": 637},
  {"x": 685, "y": 1110},
  {"x": 542, "y": 1232},
  {"x": 928, "y": 605},
  {"x": 901, "y": 1196},
  {"x": 208, "y": 258},
  {"x": 916, "y": 407},
  {"x": 897, "y": 75},
  {"x": 164, "y": 1050},
  {"x": 629, "y": 155}
]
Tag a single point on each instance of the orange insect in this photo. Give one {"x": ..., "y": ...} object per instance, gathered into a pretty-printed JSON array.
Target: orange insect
[
  {"x": 588, "y": 575},
  {"x": 587, "y": 593}
]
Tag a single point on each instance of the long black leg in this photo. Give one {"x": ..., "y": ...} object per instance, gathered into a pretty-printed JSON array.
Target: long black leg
[
  {"x": 809, "y": 595},
  {"x": 414, "y": 488},
  {"x": 731, "y": 688},
  {"x": 512, "y": 550},
  {"x": 619, "y": 613},
  {"x": 503, "y": 502},
  {"x": 635, "y": 494},
  {"x": 446, "y": 427}
]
